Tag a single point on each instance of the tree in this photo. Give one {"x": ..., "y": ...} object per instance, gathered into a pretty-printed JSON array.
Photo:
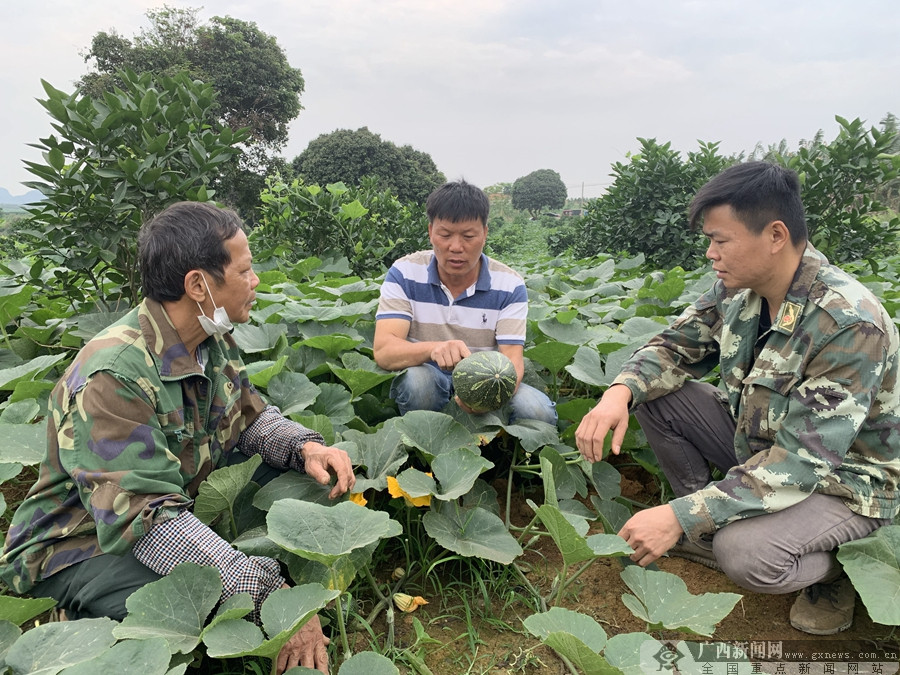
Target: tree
[
  {"x": 840, "y": 183},
  {"x": 256, "y": 87},
  {"x": 539, "y": 190},
  {"x": 346, "y": 156},
  {"x": 112, "y": 164},
  {"x": 365, "y": 224},
  {"x": 645, "y": 209},
  {"x": 889, "y": 193},
  {"x": 499, "y": 189}
]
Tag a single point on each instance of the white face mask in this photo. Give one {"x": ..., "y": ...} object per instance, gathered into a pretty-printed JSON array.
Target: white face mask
[{"x": 219, "y": 324}]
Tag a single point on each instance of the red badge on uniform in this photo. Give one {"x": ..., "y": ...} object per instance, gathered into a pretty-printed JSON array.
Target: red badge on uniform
[{"x": 790, "y": 312}]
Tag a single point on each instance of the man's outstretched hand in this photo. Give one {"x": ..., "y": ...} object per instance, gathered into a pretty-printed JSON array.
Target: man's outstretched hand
[
  {"x": 321, "y": 461},
  {"x": 306, "y": 648}
]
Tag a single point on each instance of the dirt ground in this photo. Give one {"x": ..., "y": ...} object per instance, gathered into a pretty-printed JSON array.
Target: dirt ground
[
  {"x": 502, "y": 646},
  {"x": 492, "y": 651}
]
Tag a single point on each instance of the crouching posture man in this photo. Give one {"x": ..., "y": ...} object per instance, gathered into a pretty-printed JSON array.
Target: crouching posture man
[
  {"x": 437, "y": 307},
  {"x": 805, "y": 429},
  {"x": 148, "y": 408}
]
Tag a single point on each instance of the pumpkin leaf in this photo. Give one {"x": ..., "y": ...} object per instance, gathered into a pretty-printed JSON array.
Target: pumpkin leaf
[
  {"x": 663, "y": 601},
  {"x": 471, "y": 532},
  {"x": 873, "y": 565}
]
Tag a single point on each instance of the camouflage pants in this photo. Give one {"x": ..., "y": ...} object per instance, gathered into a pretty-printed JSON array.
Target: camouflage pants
[
  {"x": 692, "y": 429},
  {"x": 99, "y": 586}
]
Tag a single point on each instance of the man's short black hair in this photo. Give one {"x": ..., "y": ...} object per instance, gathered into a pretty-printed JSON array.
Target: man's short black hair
[
  {"x": 759, "y": 193},
  {"x": 458, "y": 201},
  {"x": 186, "y": 236}
]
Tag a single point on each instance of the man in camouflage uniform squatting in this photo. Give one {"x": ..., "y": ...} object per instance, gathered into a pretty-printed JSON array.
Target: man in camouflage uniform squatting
[
  {"x": 146, "y": 411},
  {"x": 806, "y": 427}
]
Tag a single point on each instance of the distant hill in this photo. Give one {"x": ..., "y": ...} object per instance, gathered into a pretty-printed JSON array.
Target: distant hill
[{"x": 18, "y": 200}]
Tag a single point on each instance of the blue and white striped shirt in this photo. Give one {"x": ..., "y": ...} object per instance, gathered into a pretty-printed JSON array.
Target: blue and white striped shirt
[{"x": 491, "y": 312}]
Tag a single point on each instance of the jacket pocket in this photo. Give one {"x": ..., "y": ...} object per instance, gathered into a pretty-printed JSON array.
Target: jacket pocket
[{"x": 764, "y": 404}]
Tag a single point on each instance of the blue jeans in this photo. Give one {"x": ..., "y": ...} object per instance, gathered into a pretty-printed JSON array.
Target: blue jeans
[{"x": 427, "y": 387}]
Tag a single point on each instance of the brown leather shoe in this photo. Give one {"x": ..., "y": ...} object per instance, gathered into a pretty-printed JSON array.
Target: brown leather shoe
[{"x": 825, "y": 609}]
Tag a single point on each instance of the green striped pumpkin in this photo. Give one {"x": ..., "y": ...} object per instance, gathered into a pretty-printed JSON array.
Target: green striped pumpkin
[{"x": 484, "y": 381}]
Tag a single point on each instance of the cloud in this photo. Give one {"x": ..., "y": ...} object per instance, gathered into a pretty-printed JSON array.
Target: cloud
[{"x": 494, "y": 89}]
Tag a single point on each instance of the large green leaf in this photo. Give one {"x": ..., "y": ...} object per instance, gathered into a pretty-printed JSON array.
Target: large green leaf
[
  {"x": 13, "y": 300},
  {"x": 217, "y": 494},
  {"x": 20, "y": 610},
  {"x": 332, "y": 344},
  {"x": 254, "y": 339},
  {"x": 552, "y": 355},
  {"x": 174, "y": 607},
  {"x": 588, "y": 368},
  {"x": 287, "y": 609},
  {"x": 9, "y": 633},
  {"x": 533, "y": 434},
  {"x": 292, "y": 392},
  {"x": 236, "y": 607},
  {"x": 571, "y": 544},
  {"x": 632, "y": 653},
  {"x": 9, "y": 470},
  {"x": 606, "y": 480},
  {"x": 873, "y": 565},
  {"x": 559, "y": 619},
  {"x": 572, "y": 333},
  {"x": 283, "y": 613},
  {"x": 608, "y": 545},
  {"x": 334, "y": 401},
  {"x": 20, "y": 412},
  {"x": 130, "y": 657},
  {"x": 568, "y": 478},
  {"x": 641, "y": 329},
  {"x": 292, "y": 485},
  {"x": 612, "y": 514},
  {"x": 260, "y": 372},
  {"x": 434, "y": 433},
  {"x": 575, "y": 409},
  {"x": 23, "y": 443},
  {"x": 91, "y": 324},
  {"x": 663, "y": 601},
  {"x": 381, "y": 454},
  {"x": 360, "y": 373},
  {"x": 455, "y": 471},
  {"x": 368, "y": 663},
  {"x": 324, "y": 533},
  {"x": 233, "y": 637},
  {"x": 319, "y": 423},
  {"x": 30, "y": 370},
  {"x": 51, "y": 647},
  {"x": 585, "y": 660},
  {"x": 472, "y": 532}
]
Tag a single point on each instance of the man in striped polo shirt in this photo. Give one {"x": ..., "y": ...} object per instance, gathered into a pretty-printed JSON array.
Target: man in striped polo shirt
[{"x": 439, "y": 306}]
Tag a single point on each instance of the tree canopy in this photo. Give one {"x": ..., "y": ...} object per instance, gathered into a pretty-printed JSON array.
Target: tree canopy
[
  {"x": 257, "y": 88},
  {"x": 539, "y": 190},
  {"x": 111, "y": 165},
  {"x": 347, "y": 156}
]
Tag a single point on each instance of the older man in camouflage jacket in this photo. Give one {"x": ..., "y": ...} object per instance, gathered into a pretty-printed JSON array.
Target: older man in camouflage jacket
[
  {"x": 805, "y": 429},
  {"x": 146, "y": 411}
]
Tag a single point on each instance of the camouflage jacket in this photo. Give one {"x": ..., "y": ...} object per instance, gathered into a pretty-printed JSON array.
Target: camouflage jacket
[
  {"x": 135, "y": 425},
  {"x": 818, "y": 410}
]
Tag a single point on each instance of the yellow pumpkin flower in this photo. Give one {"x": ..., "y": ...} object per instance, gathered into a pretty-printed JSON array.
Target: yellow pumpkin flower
[
  {"x": 358, "y": 498},
  {"x": 408, "y": 603},
  {"x": 396, "y": 491}
]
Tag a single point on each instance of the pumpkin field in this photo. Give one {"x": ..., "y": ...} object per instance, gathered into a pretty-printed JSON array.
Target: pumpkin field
[{"x": 470, "y": 545}]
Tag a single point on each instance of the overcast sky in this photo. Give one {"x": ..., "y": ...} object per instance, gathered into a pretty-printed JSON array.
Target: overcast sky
[{"x": 495, "y": 89}]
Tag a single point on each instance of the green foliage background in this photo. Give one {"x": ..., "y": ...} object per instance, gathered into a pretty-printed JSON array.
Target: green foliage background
[{"x": 347, "y": 156}]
